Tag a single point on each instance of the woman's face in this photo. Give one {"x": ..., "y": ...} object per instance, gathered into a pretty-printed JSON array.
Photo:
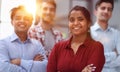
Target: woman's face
[{"x": 78, "y": 24}]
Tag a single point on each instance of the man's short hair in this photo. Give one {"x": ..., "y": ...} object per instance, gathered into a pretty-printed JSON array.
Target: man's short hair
[
  {"x": 22, "y": 8},
  {"x": 106, "y": 1},
  {"x": 48, "y": 1}
]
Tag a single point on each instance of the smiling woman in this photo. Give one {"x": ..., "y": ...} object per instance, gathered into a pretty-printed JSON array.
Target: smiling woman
[{"x": 5, "y": 26}]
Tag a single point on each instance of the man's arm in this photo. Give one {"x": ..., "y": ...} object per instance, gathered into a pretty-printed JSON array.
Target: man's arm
[
  {"x": 39, "y": 62},
  {"x": 116, "y": 61},
  {"x": 5, "y": 65}
]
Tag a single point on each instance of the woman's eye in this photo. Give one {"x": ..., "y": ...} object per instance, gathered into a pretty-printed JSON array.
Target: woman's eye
[
  {"x": 71, "y": 19},
  {"x": 80, "y": 19}
]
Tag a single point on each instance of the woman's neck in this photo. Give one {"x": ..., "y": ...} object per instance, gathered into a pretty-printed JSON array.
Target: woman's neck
[{"x": 79, "y": 39}]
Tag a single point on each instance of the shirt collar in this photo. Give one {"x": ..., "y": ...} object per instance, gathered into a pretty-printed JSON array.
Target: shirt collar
[
  {"x": 14, "y": 37},
  {"x": 96, "y": 27},
  {"x": 86, "y": 42}
]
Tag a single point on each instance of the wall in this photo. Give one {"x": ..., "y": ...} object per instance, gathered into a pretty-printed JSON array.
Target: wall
[{"x": 63, "y": 7}]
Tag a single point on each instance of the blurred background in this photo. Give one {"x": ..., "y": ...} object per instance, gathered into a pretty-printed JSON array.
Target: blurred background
[{"x": 61, "y": 22}]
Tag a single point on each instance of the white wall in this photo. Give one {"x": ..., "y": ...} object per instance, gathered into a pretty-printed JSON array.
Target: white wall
[
  {"x": 6, "y": 5},
  {"x": 115, "y": 20}
]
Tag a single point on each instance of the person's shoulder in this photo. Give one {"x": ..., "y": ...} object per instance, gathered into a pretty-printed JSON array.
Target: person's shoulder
[
  {"x": 94, "y": 26},
  {"x": 63, "y": 42},
  {"x": 97, "y": 44},
  {"x": 56, "y": 31},
  {"x": 114, "y": 29},
  {"x": 35, "y": 29},
  {"x": 6, "y": 38},
  {"x": 5, "y": 41},
  {"x": 115, "y": 32},
  {"x": 60, "y": 46},
  {"x": 34, "y": 41}
]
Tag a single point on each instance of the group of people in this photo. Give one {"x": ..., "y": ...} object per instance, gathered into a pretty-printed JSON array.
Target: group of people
[{"x": 41, "y": 48}]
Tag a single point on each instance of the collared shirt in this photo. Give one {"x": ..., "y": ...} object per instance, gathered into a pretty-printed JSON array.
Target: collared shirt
[
  {"x": 110, "y": 38},
  {"x": 63, "y": 59},
  {"x": 38, "y": 33},
  {"x": 12, "y": 48}
]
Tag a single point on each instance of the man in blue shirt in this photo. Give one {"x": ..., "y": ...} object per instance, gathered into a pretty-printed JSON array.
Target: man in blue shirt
[
  {"x": 108, "y": 36},
  {"x": 19, "y": 53}
]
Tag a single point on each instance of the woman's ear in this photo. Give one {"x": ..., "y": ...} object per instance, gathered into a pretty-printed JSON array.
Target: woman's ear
[{"x": 89, "y": 25}]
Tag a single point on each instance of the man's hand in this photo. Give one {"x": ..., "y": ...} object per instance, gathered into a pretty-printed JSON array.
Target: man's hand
[
  {"x": 38, "y": 57},
  {"x": 15, "y": 61},
  {"x": 89, "y": 68}
]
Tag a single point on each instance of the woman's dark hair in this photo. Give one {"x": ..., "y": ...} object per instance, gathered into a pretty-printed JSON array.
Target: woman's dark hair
[{"x": 84, "y": 11}]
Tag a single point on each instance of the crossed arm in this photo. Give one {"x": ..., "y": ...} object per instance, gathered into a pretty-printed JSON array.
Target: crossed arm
[
  {"x": 37, "y": 64},
  {"x": 17, "y": 61}
]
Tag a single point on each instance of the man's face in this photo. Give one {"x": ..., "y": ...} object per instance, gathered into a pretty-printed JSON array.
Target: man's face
[
  {"x": 21, "y": 21},
  {"x": 104, "y": 11},
  {"x": 48, "y": 12}
]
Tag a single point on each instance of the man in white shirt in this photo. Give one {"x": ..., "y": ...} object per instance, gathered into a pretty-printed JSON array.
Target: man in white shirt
[{"x": 108, "y": 36}]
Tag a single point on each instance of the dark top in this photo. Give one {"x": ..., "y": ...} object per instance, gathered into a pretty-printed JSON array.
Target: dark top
[{"x": 63, "y": 59}]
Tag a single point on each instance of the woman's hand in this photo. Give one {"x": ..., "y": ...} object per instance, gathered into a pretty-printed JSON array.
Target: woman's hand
[{"x": 89, "y": 68}]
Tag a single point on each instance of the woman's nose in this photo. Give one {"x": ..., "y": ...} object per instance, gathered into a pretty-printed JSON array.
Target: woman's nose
[{"x": 76, "y": 22}]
